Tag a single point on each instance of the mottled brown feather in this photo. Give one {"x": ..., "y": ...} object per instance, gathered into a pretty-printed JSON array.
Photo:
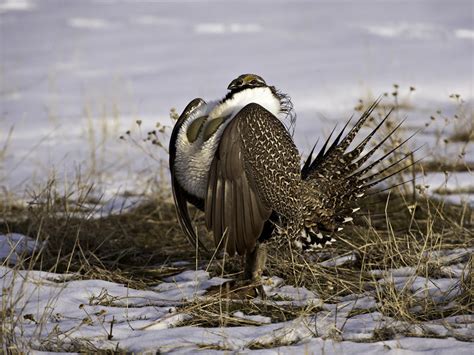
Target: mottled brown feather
[
  {"x": 241, "y": 192},
  {"x": 256, "y": 172}
]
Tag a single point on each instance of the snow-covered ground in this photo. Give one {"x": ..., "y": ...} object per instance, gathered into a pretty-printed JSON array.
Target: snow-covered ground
[
  {"x": 59, "y": 312},
  {"x": 75, "y": 75}
]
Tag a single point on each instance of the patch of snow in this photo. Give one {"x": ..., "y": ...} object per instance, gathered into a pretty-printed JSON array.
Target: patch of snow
[
  {"x": 438, "y": 290},
  {"x": 14, "y": 247},
  {"x": 16, "y": 5},
  {"x": 257, "y": 319},
  {"x": 420, "y": 31},
  {"x": 153, "y": 63},
  {"x": 145, "y": 67},
  {"x": 150, "y": 20},
  {"x": 408, "y": 345},
  {"x": 340, "y": 260},
  {"x": 287, "y": 333},
  {"x": 222, "y": 28},
  {"x": 464, "y": 33},
  {"x": 12, "y": 96},
  {"x": 273, "y": 281},
  {"x": 450, "y": 256},
  {"x": 167, "y": 322},
  {"x": 89, "y": 23},
  {"x": 359, "y": 301},
  {"x": 188, "y": 285},
  {"x": 450, "y": 183},
  {"x": 50, "y": 306},
  {"x": 297, "y": 295},
  {"x": 455, "y": 270},
  {"x": 116, "y": 205},
  {"x": 245, "y": 28},
  {"x": 403, "y": 271},
  {"x": 188, "y": 275}
]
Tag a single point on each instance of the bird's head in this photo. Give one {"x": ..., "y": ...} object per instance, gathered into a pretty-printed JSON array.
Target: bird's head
[
  {"x": 252, "y": 81},
  {"x": 245, "y": 81}
]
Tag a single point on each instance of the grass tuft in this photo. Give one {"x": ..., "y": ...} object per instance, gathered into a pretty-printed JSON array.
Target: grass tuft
[{"x": 141, "y": 246}]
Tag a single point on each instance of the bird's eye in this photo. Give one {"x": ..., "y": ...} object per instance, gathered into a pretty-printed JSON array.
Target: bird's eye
[{"x": 254, "y": 82}]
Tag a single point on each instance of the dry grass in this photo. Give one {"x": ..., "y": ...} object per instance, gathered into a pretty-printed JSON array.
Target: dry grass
[
  {"x": 137, "y": 248},
  {"x": 218, "y": 311},
  {"x": 125, "y": 248},
  {"x": 448, "y": 166}
]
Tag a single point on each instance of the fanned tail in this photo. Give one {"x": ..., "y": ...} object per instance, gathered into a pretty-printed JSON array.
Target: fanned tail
[{"x": 338, "y": 178}]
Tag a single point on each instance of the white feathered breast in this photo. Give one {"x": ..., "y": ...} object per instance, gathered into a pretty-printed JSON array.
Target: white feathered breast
[{"x": 193, "y": 160}]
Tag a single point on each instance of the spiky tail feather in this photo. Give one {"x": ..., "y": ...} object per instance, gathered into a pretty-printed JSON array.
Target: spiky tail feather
[{"x": 339, "y": 179}]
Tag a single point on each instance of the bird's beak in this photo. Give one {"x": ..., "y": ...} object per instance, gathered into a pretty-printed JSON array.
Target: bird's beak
[{"x": 233, "y": 85}]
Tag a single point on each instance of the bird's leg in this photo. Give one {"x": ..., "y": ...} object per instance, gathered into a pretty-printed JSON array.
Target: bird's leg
[
  {"x": 251, "y": 285},
  {"x": 254, "y": 265},
  {"x": 255, "y": 262}
]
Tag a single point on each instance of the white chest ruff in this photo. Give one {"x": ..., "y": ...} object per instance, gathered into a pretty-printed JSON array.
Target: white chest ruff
[{"x": 193, "y": 160}]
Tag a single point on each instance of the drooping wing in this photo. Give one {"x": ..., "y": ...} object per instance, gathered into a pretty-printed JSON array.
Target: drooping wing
[
  {"x": 255, "y": 171},
  {"x": 180, "y": 196}
]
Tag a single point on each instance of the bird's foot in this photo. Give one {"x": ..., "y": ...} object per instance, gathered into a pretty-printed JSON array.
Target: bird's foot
[{"x": 240, "y": 289}]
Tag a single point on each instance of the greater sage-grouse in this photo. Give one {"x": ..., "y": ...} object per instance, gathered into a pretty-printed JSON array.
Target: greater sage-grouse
[{"x": 236, "y": 161}]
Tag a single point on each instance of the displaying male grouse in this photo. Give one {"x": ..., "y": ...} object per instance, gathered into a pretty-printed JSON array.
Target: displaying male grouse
[{"x": 236, "y": 161}]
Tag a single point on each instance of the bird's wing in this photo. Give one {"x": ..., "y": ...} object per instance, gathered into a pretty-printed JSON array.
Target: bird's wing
[
  {"x": 179, "y": 194},
  {"x": 255, "y": 170}
]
